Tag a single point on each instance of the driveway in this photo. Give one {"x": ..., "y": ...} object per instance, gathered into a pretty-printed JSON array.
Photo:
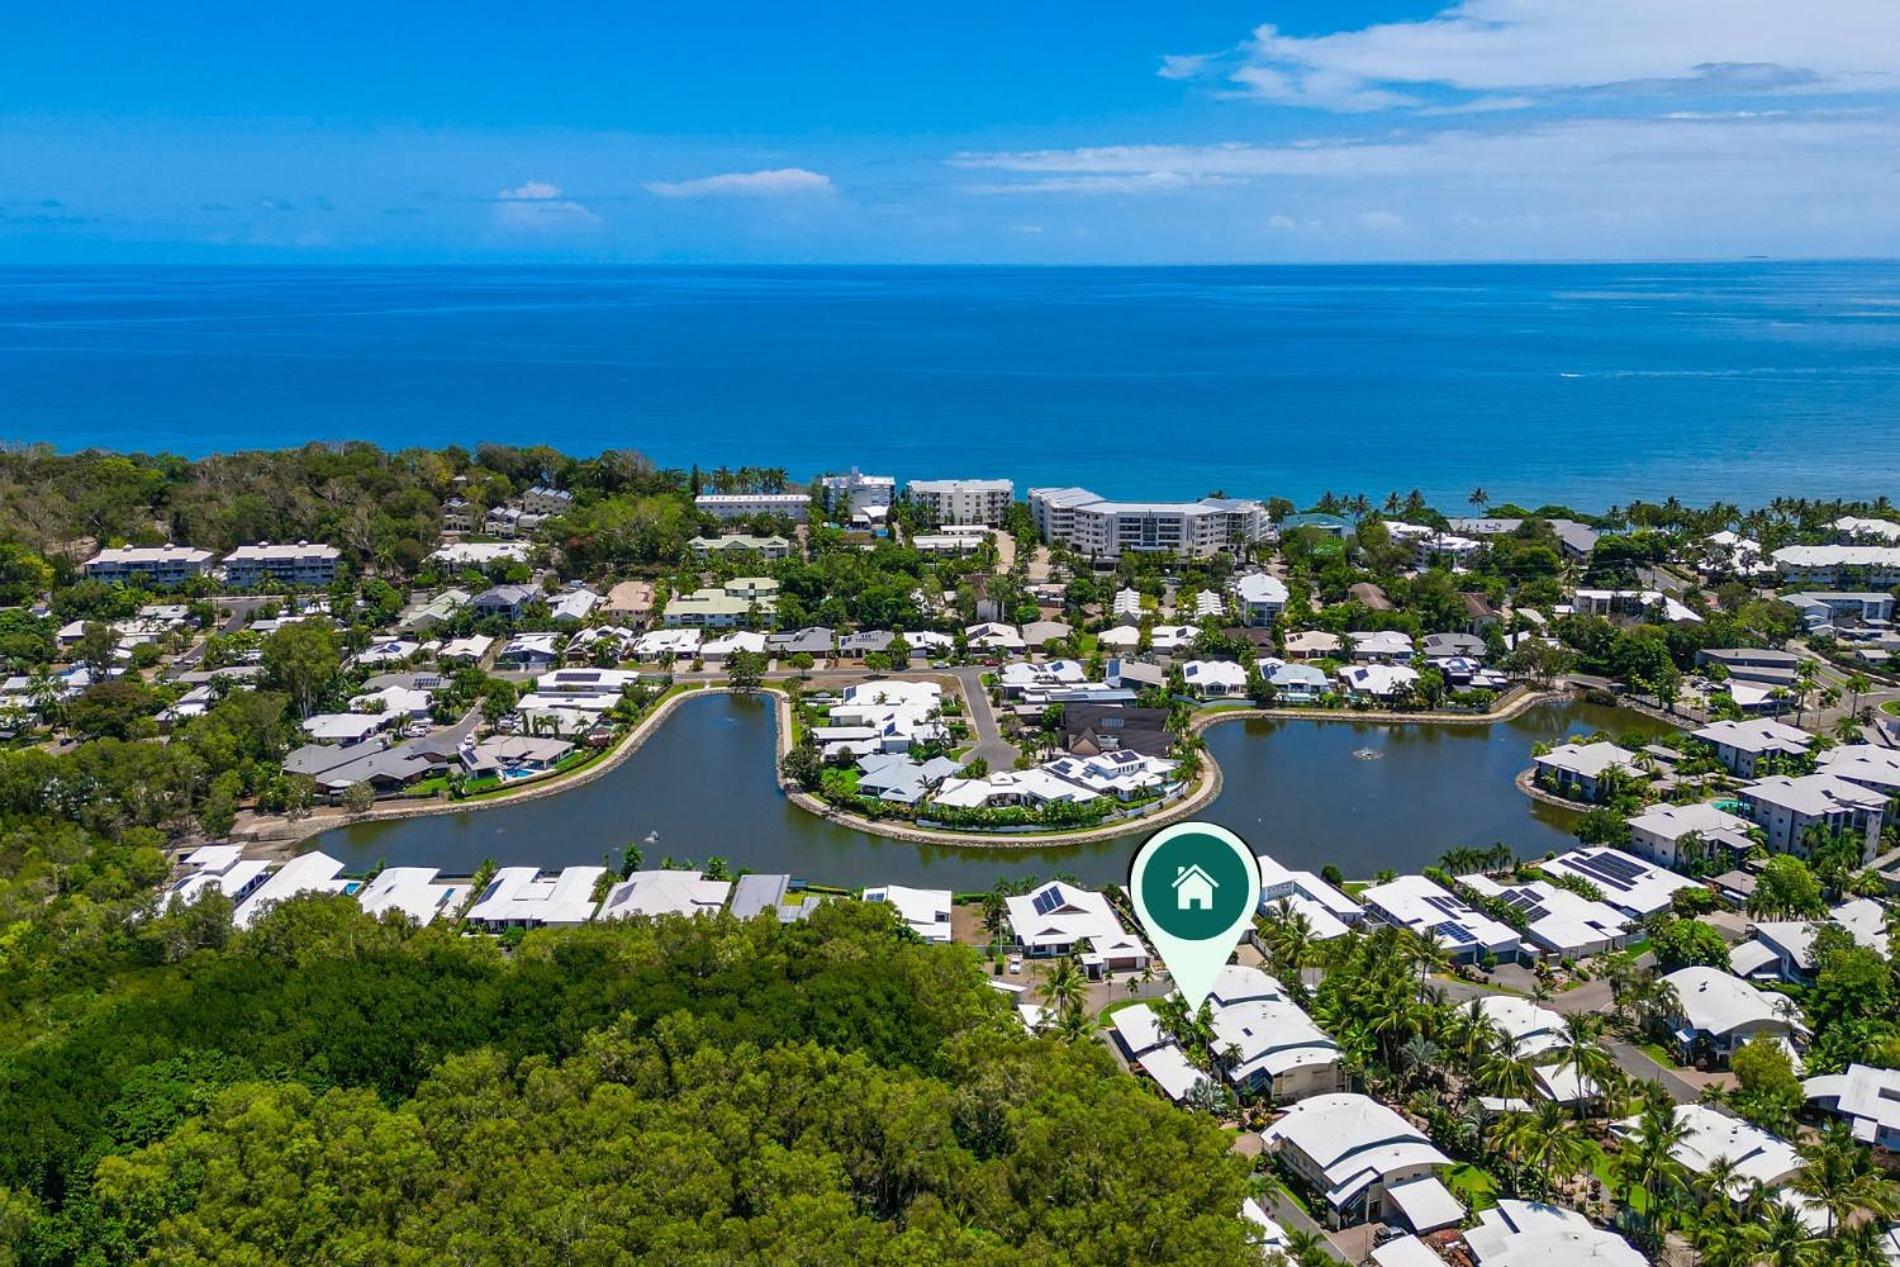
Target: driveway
[
  {"x": 990, "y": 744},
  {"x": 1638, "y": 1064}
]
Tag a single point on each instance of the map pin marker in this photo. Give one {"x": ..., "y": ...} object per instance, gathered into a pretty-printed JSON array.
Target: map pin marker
[{"x": 1196, "y": 887}]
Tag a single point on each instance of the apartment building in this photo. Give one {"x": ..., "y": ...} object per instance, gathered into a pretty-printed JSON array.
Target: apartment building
[
  {"x": 164, "y": 565},
  {"x": 1105, "y": 530},
  {"x": 305, "y": 563},
  {"x": 964, "y": 501}
]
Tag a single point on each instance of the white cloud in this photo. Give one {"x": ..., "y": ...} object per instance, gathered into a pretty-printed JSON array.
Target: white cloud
[
  {"x": 535, "y": 206},
  {"x": 1517, "y": 47},
  {"x": 1380, "y": 221},
  {"x": 1282, "y": 223},
  {"x": 1183, "y": 65},
  {"x": 1159, "y": 181},
  {"x": 781, "y": 182}
]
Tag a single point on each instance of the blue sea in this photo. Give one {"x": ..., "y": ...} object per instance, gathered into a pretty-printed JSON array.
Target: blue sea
[{"x": 1588, "y": 384}]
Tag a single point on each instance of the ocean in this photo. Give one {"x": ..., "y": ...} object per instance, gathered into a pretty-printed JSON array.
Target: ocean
[{"x": 1586, "y": 384}]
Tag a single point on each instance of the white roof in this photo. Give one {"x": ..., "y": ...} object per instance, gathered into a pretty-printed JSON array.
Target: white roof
[
  {"x": 343, "y": 727},
  {"x": 1717, "y": 1002},
  {"x": 1673, "y": 822},
  {"x": 411, "y": 890},
  {"x": 1557, "y": 919},
  {"x": 1814, "y": 794},
  {"x": 522, "y": 895},
  {"x": 1427, "y": 1204},
  {"x": 1059, "y": 914},
  {"x": 477, "y": 553},
  {"x": 1222, "y": 673},
  {"x": 1419, "y": 904},
  {"x": 1139, "y": 1028},
  {"x": 1408, "y": 1251},
  {"x": 1382, "y": 642},
  {"x": 307, "y": 873},
  {"x": 665, "y": 893},
  {"x": 1238, "y": 983},
  {"x": 1757, "y": 735},
  {"x": 927, "y": 911},
  {"x": 1378, "y": 679},
  {"x": 1261, "y": 587},
  {"x": 1862, "y": 763},
  {"x": 1864, "y": 1093},
  {"x": 1707, "y": 1134},
  {"x": 1626, "y": 881},
  {"x": 1531, "y": 1029},
  {"x": 1531, "y": 1234},
  {"x": 1172, "y": 1071},
  {"x": 1353, "y": 1139},
  {"x": 1588, "y": 759},
  {"x": 1273, "y": 1037},
  {"x": 213, "y": 857}
]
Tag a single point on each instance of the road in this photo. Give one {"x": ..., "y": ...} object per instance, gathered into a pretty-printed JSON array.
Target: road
[
  {"x": 1638, "y": 1064},
  {"x": 990, "y": 744}
]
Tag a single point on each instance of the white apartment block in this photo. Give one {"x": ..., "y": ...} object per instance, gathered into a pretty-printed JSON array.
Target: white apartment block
[
  {"x": 862, "y": 491},
  {"x": 964, "y": 501},
  {"x": 746, "y": 505},
  {"x": 304, "y": 563},
  {"x": 160, "y": 565},
  {"x": 1101, "y": 529},
  {"x": 1876, "y": 567},
  {"x": 543, "y": 500}
]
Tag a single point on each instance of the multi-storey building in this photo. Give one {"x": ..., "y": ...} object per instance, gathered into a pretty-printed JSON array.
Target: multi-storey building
[
  {"x": 160, "y": 565},
  {"x": 304, "y": 563},
  {"x": 964, "y": 501},
  {"x": 1101, "y": 529}
]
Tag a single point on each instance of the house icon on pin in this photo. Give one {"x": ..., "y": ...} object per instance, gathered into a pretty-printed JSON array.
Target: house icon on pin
[{"x": 1193, "y": 889}]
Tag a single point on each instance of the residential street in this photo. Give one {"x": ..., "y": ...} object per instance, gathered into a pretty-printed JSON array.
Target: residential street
[{"x": 990, "y": 744}]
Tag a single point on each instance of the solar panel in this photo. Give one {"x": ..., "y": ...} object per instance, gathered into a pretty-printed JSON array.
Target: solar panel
[
  {"x": 1048, "y": 900},
  {"x": 1592, "y": 867},
  {"x": 1455, "y": 933}
]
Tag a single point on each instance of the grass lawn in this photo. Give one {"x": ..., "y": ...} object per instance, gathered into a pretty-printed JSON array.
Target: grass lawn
[
  {"x": 1103, "y": 1016},
  {"x": 1473, "y": 1185},
  {"x": 1658, "y": 1053},
  {"x": 1891, "y": 707},
  {"x": 1600, "y": 1167}
]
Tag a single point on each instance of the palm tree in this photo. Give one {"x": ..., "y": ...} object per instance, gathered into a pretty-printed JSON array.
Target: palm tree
[
  {"x": 1857, "y": 683},
  {"x": 1210, "y": 1097},
  {"x": 1786, "y": 1241},
  {"x": 1838, "y": 1176},
  {"x": 1578, "y": 1051},
  {"x": 1503, "y": 1073},
  {"x": 1066, "y": 989},
  {"x": 1479, "y": 498}
]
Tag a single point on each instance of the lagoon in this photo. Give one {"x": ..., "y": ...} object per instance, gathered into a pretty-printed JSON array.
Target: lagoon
[{"x": 1359, "y": 795}]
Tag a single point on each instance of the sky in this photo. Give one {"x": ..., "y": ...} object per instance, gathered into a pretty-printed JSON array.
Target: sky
[{"x": 1114, "y": 131}]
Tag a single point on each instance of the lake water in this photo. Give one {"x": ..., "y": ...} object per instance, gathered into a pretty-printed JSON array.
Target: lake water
[
  {"x": 1586, "y": 384},
  {"x": 1358, "y": 795}
]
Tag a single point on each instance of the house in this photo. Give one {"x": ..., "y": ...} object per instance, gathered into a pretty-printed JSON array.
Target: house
[
  {"x": 387, "y": 651},
  {"x": 662, "y": 646},
  {"x": 437, "y": 611},
  {"x": 1270, "y": 1044},
  {"x": 1634, "y": 887},
  {"x": 1744, "y": 745},
  {"x": 315, "y": 872},
  {"x": 1481, "y": 613},
  {"x": 1369, "y": 596},
  {"x": 816, "y": 641},
  {"x": 1516, "y": 1233},
  {"x": 219, "y": 868},
  {"x": 1863, "y": 528},
  {"x": 345, "y": 729},
  {"x": 1261, "y": 598},
  {"x": 1122, "y": 775},
  {"x": 1661, "y": 832},
  {"x": 512, "y": 756},
  {"x": 717, "y": 651},
  {"x": 1414, "y": 902},
  {"x": 1060, "y": 919},
  {"x": 1328, "y": 912},
  {"x": 1126, "y": 607},
  {"x": 892, "y": 776},
  {"x": 1825, "y": 609},
  {"x": 1169, "y": 638},
  {"x": 544, "y": 500},
  {"x": 755, "y": 895},
  {"x": 1866, "y": 1097},
  {"x": 1089, "y": 730},
  {"x": 1581, "y": 770},
  {"x": 1444, "y": 646},
  {"x": 301, "y": 564},
  {"x": 1298, "y": 683},
  {"x": 1138, "y": 1033},
  {"x": 1022, "y": 676},
  {"x": 1708, "y": 1135},
  {"x": 160, "y": 567},
  {"x": 414, "y": 891},
  {"x": 1378, "y": 681},
  {"x": 991, "y": 635},
  {"x": 1719, "y": 1012},
  {"x": 531, "y": 651},
  {"x": 1557, "y": 921},
  {"x": 575, "y": 604},
  {"x": 1784, "y": 949},
  {"x": 1038, "y": 633},
  {"x": 479, "y": 554},
  {"x": 1531, "y": 1030},
  {"x": 1364, "y": 1161},
  {"x": 1214, "y": 678},
  {"x": 507, "y": 601},
  {"x": 522, "y": 897},
  {"x": 1792, "y": 810},
  {"x": 925, "y": 911},
  {"x": 1203, "y": 605},
  {"x": 630, "y": 601},
  {"x": 469, "y": 650},
  {"x": 657, "y": 893},
  {"x": 1383, "y": 646}
]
